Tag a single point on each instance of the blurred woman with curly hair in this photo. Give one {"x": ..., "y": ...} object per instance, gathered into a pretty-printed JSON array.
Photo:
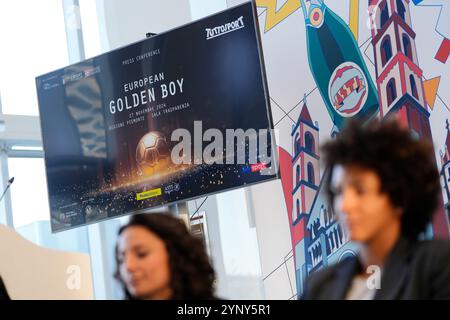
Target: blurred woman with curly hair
[
  {"x": 383, "y": 185},
  {"x": 158, "y": 259}
]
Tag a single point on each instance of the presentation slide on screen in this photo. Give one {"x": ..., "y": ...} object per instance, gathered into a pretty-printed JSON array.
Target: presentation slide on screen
[{"x": 173, "y": 117}]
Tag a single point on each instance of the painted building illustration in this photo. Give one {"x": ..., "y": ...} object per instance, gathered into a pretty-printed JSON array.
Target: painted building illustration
[
  {"x": 399, "y": 77},
  {"x": 317, "y": 238}
]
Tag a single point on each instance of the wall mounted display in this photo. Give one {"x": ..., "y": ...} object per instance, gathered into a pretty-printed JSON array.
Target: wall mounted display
[{"x": 152, "y": 123}]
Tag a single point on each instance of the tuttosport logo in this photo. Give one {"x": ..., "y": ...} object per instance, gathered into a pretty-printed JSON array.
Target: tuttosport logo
[
  {"x": 348, "y": 89},
  {"x": 225, "y": 28}
]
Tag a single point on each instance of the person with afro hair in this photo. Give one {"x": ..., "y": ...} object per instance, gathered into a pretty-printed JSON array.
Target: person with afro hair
[{"x": 383, "y": 186}]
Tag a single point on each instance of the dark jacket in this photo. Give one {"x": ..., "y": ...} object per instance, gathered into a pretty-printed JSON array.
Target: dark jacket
[
  {"x": 413, "y": 270},
  {"x": 3, "y": 293}
]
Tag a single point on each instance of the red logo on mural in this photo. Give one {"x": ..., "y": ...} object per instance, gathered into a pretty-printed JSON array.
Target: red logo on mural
[{"x": 348, "y": 89}]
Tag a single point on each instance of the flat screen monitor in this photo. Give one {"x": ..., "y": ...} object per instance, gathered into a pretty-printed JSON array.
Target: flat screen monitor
[{"x": 176, "y": 116}]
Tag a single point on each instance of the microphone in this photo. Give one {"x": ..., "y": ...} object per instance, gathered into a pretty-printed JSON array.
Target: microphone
[{"x": 10, "y": 181}]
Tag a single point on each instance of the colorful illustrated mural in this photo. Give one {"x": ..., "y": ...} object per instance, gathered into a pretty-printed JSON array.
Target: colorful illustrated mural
[
  {"x": 442, "y": 26},
  {"x": 328, "y": 61}
]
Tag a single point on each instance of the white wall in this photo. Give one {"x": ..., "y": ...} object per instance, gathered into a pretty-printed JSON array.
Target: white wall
[
  {"x": 203, "y": 8},
  {"x": 275, "y": 247},
  {"x": 125, "y": 22}
]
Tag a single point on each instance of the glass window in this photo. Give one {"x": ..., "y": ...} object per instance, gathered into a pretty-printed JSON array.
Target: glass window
[
  {"x": 310, "y": 173},
  {"x": 401, "y": 10},
  {"x": 309, "y": 142},
  {"x": 386, "y": 53},
  {"x": 297, "y": 145},
  {"x": 407, "y": 47},
  {"x": 90, "y": 27},
  {"x": 30, "y": 208},
  {"x": 384, "y": 14},
  {"x": 29, "y": 198},
  {"x": 33, "y": 41},
  {"x": 413, "y": 85},
  {"x": 391, "y": 91}
]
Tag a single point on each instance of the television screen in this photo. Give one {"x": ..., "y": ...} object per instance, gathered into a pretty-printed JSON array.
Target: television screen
[{"x": 176, "y": 116}]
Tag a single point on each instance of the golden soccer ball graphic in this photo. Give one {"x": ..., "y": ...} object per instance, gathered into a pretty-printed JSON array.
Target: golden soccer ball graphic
[{"x": 152, "y": 152}]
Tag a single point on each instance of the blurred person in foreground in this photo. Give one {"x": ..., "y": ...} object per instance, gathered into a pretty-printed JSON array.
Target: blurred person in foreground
[
  {"x": 383, "y": 185},
  {"x": 159, "y": 259}
]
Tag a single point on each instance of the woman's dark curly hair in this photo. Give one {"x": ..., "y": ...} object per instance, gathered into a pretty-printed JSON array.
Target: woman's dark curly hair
[
  {"x": 405, "y": 164},
  {"x": 192, "y": 275}
]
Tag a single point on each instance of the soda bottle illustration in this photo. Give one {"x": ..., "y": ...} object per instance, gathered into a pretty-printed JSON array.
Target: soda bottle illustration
[{"x": 337, "y": 65}]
